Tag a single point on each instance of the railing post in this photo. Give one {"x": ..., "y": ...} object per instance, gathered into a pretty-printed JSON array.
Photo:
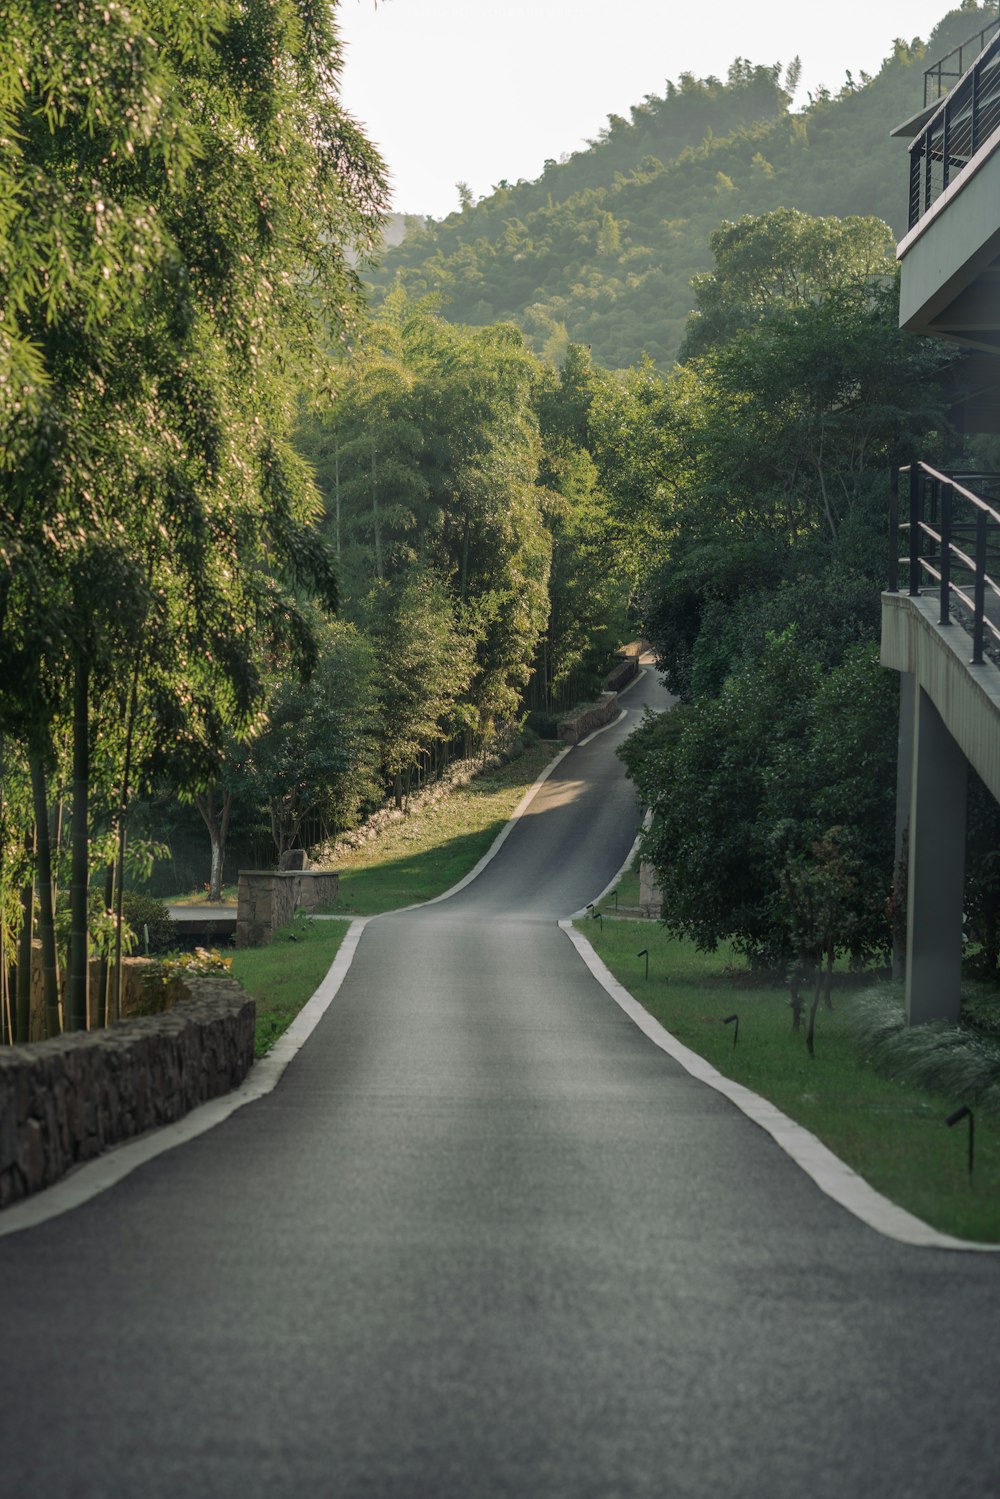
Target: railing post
[
  {"x": 947, "y": 497},
  {"x": 914, "y": 529},
  {"x": 894, "y": 529},
  {"x": 974, "y": 113},
  {"x": 946, "y": 145},
  {"x": 980, "y": 590}
]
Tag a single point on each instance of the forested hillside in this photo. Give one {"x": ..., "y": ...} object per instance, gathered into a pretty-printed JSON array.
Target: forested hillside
[{"x": 601, "y": 249}]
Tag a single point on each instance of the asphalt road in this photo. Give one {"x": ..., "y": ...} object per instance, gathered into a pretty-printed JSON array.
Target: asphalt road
[{"x": 485, "y": 1240}]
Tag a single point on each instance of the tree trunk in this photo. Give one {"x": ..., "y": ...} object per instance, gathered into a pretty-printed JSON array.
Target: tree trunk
[
  {"x": 46, "y": 921},
  {"x": 336, "y": 496},
  {"x": 126, "y": 790},
  {"x": 465, "y": 558},
  {"x": 104, "y": 971},
  {"x": 217, "y": 823},
  {"x": 22, "y": 1010},
  {"x": 378, "y": 533},
  {"x": 817, "y": 992},
  {"x": 79, "y": 954}
]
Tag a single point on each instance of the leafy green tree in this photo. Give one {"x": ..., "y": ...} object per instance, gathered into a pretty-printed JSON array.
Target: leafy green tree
[
  {"x": 180, "y": 185},
  {"x": 747, "y": 788},
  {"x": 314, "y": 763},
  {"x": 778, "y": 261},
  {"x": 425, "y": 663}
]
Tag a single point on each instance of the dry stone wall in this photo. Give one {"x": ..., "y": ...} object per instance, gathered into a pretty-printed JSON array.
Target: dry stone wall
[
  {"x": 576, "y": 726},
  {"x": 67, "y": 1100},
  {"x": 268, "y": 899}
]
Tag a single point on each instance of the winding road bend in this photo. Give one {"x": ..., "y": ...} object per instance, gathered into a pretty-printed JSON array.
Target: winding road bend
[{"x": 485, "y": 1239}]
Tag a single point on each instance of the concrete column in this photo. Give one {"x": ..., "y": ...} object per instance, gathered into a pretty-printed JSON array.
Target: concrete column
[
  {"x": 904, "y": 777},
  {"x": 936, "y": 869}
]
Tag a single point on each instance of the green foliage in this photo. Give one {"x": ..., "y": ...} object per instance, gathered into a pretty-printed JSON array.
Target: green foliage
[
  {"x": 957, "y": 1061},
  {"x": 746, "y": 789},
  {"x": 315, "y": 758},
  {"x": 781, "y": 260},
  {"x": 602, "y": 248},
  {"x": 144, "y": 913},
  {"x": 180, "y": 192}
]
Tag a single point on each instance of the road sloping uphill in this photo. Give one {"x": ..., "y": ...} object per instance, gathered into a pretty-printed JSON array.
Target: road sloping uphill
[{"x": 485, "y": 1241}]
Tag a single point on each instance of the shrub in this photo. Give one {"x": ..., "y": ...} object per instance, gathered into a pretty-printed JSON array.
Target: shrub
[{"x": 145, "y": 911}]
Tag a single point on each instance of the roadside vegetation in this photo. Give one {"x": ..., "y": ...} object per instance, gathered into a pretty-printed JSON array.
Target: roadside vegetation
[
  {"x": 432, "y": 849},
  {"x": 283, "y": 976},
  {"x": 891, "y": 1131}
]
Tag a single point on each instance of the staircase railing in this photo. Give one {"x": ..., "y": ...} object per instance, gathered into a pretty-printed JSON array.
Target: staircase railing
[
  {"x": 968, "y": 116},
  {"x": 940, "y": 78},
  {"x": 954, "y": 547}
]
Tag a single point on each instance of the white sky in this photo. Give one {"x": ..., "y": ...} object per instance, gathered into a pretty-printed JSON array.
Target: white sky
[{"x": 477, "y": 90}]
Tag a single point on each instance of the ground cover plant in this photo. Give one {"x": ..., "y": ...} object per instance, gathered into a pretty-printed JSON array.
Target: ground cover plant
[
  {"x": 426, "y": 853},
  {"x": 891, "y": 1132},
  {"x": 284, "y": 975}
]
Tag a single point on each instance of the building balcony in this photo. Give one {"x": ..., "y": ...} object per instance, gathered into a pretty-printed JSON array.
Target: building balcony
[{"x": 950, "y": 256}]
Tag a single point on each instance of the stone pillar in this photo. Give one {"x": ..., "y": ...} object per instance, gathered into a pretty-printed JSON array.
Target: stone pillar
[
  {"x": 936, "y": 869},
  {"x": 904, "y": 776}
]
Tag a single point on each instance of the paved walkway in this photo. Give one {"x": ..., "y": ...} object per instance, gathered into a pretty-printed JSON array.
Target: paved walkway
[{"x": 485, "y": 1241}]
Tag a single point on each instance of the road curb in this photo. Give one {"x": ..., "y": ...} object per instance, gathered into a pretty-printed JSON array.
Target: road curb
[
  {"x": 835, "y": 1179},
  {"x": 89, "y": 1181}
]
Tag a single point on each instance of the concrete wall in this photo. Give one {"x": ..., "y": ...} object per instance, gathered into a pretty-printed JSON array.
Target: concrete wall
[
  {"x": 67, "y": 1100},
  {"x": 268, "y": 899}
]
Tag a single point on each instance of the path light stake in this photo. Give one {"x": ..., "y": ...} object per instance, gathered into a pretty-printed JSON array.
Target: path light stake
[
  {"x": 644, "y": 954},
  {"x": 965, "y": 1113},
  {"x": 736, "y": 1033},
  {"x": 615, "y": 894}
]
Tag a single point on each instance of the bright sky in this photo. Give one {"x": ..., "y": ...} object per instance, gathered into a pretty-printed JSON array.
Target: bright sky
[{"x": 477, "y": 90}]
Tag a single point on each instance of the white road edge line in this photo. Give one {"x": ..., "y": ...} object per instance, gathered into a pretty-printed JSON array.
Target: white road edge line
[
  {"x": 830, "y": 1174},
  {"x": 89, "y": 1180}
]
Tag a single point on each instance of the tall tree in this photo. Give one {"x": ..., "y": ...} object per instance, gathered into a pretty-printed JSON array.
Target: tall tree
[{"x": 180, "y": 191}]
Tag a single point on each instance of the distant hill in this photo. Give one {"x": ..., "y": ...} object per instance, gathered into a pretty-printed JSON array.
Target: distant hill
[{"x": 602, "y": 247}]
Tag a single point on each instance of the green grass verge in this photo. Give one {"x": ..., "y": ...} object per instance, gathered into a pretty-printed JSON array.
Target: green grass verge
[
  {"x": 627, "y": 891},
  {"x": 284, "y": 975},
  {"x": 425, "y": 854},
  {"x": 200, "y": 897},
  {"x": 893, "y": 1134}
]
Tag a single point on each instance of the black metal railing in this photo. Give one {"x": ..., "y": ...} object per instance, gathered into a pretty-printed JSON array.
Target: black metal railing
[
  {"x": 940, "y": 78},
  {"x": 954, "y": 547},
  {"x": 968, "y": 116}
]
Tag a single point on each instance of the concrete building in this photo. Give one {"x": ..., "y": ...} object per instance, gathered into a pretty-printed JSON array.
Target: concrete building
[{"x": 941, "y": 621}]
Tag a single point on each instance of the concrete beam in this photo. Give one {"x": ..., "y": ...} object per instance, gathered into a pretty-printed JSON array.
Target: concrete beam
[{"x": 939, "y": 656}]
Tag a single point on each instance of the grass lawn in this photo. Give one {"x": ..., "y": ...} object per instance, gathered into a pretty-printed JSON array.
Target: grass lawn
[
  {"x": 891, "y": 1133},
  {"x": 424, "y": 855},
  {"x": 627, "y": 892},
  {"x": 284, "y": 975},
  {"x": 200, "y": 897}
]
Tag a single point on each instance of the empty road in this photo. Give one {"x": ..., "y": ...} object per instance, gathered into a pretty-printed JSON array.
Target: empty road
[{"x": 485, "y": 1241}]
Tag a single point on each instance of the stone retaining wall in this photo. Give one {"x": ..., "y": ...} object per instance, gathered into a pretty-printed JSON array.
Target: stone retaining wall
[
  {"x": 269, "y": 898},
  {"x": 576, "y": 726},
  {"x": 650, "y": 895},
  {"x": 67, "y": 1100},
  {"x": 144, "y": 991},
  {"x": 625, "y": 670}
]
